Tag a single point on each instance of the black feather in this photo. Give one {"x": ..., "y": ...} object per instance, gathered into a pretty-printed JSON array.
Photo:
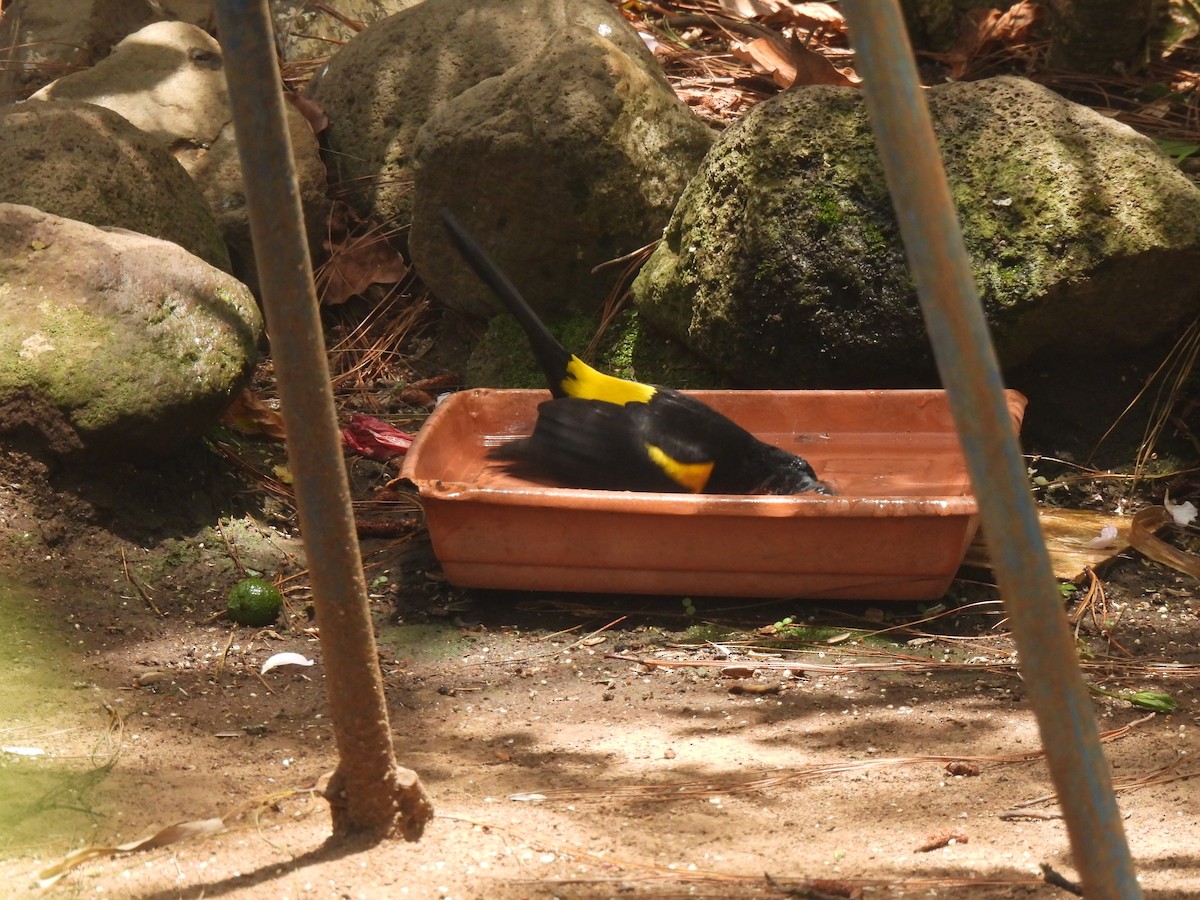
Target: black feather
[
  {"x": 588, "y": 444},
  {"x": 608, "y": 433},
  {"x": 550, "y": 354}
]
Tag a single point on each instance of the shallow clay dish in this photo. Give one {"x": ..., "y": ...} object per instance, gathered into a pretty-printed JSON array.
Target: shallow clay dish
[{"x": 897, "y": 529}]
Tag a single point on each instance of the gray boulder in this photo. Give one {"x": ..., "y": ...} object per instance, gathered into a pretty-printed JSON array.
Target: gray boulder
[
  {"x": 568, "y": 160},
  {"x": 114, "y": 344},
  {"x": 85, "y": 162},
  {"x": 783, "y": 266},
  {"x": 217, "y": 171},
  {"x": 307, "y": 30},
  {"x": 379, "y": 89},
  {"x": 165, "y": 78},
  {"x": 44, "y": 38},
  {"x": 168, "y": 79}
]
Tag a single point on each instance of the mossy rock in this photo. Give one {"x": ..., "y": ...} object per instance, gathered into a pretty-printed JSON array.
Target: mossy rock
[
  {"x": 115, "y": 344},
  {"x": 627, "y": 349},
  {"x": 783, "y": 263}
]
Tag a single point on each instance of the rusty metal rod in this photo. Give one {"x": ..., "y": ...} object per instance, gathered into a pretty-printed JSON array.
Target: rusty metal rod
[
  {"x": 971, "y": 375},
  {"x": 370, "y": 792}
]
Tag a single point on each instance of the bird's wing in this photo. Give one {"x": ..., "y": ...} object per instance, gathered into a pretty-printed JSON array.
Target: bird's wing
[
  {"x": 691, "y": 431},
  {"x": 694, "y": 435},
  {"x": 595, "y": 444}
]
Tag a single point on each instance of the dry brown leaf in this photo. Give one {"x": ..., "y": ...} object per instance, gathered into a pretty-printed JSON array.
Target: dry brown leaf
[
  {"x": 986, "y": 28},
  {"x": 977, "y": 24},
  {"x": 811, "y": 15},
  {"x": 754, "y": 688},
  {"x": 943, "y": 839},
  {"x": 749, "y": 9},
  {"x": 311, "y": 110},
  {"x": 813, "y": 68},
  {"x": 249, "y": 415},
  {"x": 1067, "y": 533},
  {"x": 791, "y": 63},
  {"x": 962, "y": 768},
  {"x": 356, "y": 262},
  {"x": 767, "y": 57},
  {"x": 738, "y": 671},
  {"x": 172, "y": 834},
  {"x": 1143, "y": 539},
  {"x": 1016, "y": 22}
]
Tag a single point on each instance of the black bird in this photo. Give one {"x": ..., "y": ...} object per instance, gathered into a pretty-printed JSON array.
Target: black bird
[{"x": 613, "y": 434}]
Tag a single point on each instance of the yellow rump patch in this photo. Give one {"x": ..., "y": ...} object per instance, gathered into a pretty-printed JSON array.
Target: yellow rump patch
[
  {"x": 693, "y": 476},
  {"x": 586, "y": 383}
]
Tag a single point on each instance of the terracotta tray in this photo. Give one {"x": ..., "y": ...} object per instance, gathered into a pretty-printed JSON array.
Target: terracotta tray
[{"x": 897, "y": 530}]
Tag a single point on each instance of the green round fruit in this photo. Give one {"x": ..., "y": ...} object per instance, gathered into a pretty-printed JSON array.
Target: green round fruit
[{"x": 255, "y": 602}]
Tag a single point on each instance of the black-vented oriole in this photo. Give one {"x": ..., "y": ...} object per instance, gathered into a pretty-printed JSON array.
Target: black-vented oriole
[{"x": 609, "y": 433}]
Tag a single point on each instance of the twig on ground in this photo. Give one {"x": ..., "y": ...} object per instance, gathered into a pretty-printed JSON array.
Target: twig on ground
[
  {"x": 137, "y": 587},
  {"x": 225, "y": 652},
  {"x": 233, "y": 554},
  {"x": 587, "y": 637}
]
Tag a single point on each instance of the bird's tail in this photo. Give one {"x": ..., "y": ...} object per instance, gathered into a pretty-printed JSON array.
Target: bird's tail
[{"x": 551, "y": 355}]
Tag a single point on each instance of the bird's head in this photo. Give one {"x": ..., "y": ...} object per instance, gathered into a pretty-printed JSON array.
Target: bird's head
[{"x": 793, "y": 475}]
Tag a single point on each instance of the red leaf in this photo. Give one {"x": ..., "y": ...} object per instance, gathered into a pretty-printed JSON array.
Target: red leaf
[{"x": 375, "y": 439}]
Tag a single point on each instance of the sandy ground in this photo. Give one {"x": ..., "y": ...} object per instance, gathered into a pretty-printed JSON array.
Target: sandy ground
[{"x": 557, "y": 769}]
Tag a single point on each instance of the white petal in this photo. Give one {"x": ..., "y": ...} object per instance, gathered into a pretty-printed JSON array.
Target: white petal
[
  {"x": 1108, "y": 538},
  {"x": 1182, "y": 513},
  {"x": 285, "y": 659}
]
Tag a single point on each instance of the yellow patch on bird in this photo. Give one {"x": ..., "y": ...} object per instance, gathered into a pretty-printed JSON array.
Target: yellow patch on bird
[
  {"x": 585, "y": 382},
  {"x": 693, "y": 476}
]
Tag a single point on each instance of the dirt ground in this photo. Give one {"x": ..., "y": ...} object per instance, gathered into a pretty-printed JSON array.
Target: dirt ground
[{"x": 900, "y": 764}]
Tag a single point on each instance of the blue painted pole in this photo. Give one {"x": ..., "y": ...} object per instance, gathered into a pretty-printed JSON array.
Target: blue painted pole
[{"x": 971, "y": 375}]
